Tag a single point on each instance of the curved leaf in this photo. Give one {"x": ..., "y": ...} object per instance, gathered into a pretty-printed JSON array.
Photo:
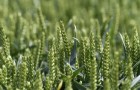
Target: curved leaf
[
  {"x": 76, "y": 72},
  {"x": 78, "y": 86},
  {"x": 135, "y": 81}
]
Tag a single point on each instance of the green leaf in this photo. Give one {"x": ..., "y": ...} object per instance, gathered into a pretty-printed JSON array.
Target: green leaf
[
  {"x": 76, "y": 72},
  {"x": 73, "y": 52},
  {"x": 136, "y": 64},
  {"x": 135, "y": 81},
  {"x": 78, "y": 86},
  {"x": 122, "y": 41}
]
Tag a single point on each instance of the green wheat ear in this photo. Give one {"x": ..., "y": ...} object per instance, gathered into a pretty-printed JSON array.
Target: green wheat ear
[
  {"x": 42, "y": 47},
  {"x": 21, "y": 75},
  {"x": 11, "y": 69},
  {"x": 93, "y": 64},
  {"x": 62, "y": 61},
  {"x": 4, "y": 73},
  {"x": 37, "y": 84},
  {"x": 105, "y": 63},
  {"x": 41, "y": 20},
  {"x": 5, "y": 42},
  {"x": 82, "y": 52},
  {"x": 48, "y": 84},
  {"x": 87, "y": 64},
  {"x": 39, "y": 51},
  {"x": 3, "y": 77},
  {"x": 60, "y": 51},
  {"x": 52, "y": 63},
  {"x": 28, "y": 57},
  {"x": 28, "y": 86},
  {"x": 18, "y": 26},
  {"x": 127, "y": 45},
  {"x": 68, "y": 84},
  {"x": 57, "y": 63},
  {"x": 59, "y": 37},
  {"x": 37, "y": 54},
  {"x": 65, "y": 41},
  {"x": 98, "y": 42},
  {"x": 115, "y": 72},
  {"x": 135, "y": 49},
  {"x": 126, "y": 85},
  {"x": 128, "y": 53},
  {"x": 98, "y": 48},
  {"x": 116, "y": 21},
  {"x": 84, "y": 59}
]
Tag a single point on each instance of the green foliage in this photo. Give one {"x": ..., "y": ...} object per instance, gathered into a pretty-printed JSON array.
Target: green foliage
[{"x": 69, "y": 45}]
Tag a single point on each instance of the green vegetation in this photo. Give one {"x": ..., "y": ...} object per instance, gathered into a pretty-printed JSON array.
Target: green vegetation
[{"x": 69, "y": 45}]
